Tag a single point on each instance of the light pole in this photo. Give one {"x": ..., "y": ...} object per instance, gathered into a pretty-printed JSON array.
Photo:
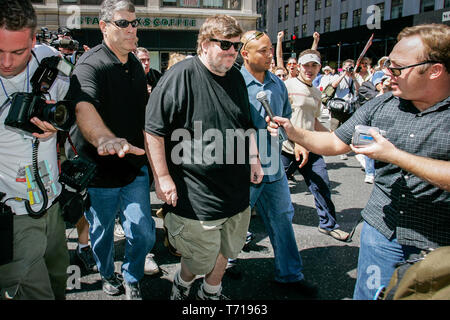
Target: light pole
[{"x": 339, "y": 55}]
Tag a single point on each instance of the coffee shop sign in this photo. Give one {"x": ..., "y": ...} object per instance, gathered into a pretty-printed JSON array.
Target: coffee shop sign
[{"x": 149, "y": 22}]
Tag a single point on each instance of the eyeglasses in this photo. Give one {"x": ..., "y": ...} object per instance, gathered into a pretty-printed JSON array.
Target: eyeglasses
[
  {"x": 397, "y": 71},
  {"x": 225, "y": 44},
  {"x": 122, "y": 23},
  {"x": 252, "y": 36}
]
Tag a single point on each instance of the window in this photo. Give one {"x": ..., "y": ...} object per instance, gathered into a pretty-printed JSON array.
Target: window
[
  {"x": 206, "y": 4},
  {"x": 381, "y": 6},
  {"x": 328, "y": 3},
  {"x": 304, "y": 29},
  {"x": 396, "y": 9},
  {"x": 99, "y": 2},
  {"x": 447, "y": 4},
  {"x": 327, "y": 24},
  {"x": 286, "y": 35},
  {"x": 344, "y": 18},
  {"x": 426, "y": 5},
  {"x": 286, "y": 12},
  {"x": 280, "y": 16},
  {"x": 356, "y": 17},
  {"x": 296, "y": 31},
  {"x": 318, "y": 4},
  {"x": 317, "y": 26},
  {"x": 297, "y": 8},
  {"x": 305, "y": 7}
]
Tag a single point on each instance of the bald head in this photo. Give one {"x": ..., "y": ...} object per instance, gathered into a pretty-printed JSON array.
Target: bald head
[{"x": 257, "y": 51}]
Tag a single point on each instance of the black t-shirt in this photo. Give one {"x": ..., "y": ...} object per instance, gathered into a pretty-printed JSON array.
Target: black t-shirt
[
  {"x": 153, "y": 77},
  {"x": 119, "y": 93},
  {"x": 196, "y": 110}
]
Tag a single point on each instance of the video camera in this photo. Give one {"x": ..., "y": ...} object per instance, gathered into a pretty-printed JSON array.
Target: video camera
[{"x": 25, "y": 106}]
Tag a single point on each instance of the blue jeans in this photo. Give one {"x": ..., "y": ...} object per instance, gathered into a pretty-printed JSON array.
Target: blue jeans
[
  {"x": 273, "y": 204},
  {"x": 316, "y": 177},
  {"x": 370, "y": 166},
  {"x": 376, "y": 263},
  {"x": 133, "y": 204}
]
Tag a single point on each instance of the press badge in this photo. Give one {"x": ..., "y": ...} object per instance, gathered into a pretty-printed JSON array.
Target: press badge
[{"x": 34, "y": 195}]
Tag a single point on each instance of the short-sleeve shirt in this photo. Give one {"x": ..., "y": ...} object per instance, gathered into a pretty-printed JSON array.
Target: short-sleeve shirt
[
  {"x": 119, "y": 93},
  {"x": 306, "y": 102},
  {"x": 401, "y": 204},
  {"x": 278, "y": 98},
  {"x": 16, "y": 147},
  {"x": 197, "y": 113}
]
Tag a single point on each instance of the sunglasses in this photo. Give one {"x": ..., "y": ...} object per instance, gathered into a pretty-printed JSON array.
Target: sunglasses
[
  {"x": 397, "y": 71},
  {"x": 252, "y": 36},
  {"x": 124, "y": 23},
  {"x": 226, "y": 45}
]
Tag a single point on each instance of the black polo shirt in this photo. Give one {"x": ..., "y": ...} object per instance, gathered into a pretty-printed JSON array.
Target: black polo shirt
[
  {"x": 119, "y": 93},
  {"x": 401, "y": 204}
]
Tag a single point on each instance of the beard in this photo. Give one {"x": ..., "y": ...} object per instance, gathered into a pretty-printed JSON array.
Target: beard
[{"x": 217, "y": 63}]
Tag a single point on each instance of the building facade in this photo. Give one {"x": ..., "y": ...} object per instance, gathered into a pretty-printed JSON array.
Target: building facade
[
  {"x": 165, "y": 25},
  {"x": 346, "y": 25}
]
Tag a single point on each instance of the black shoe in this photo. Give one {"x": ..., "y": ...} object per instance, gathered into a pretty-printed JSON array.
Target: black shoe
[
  {"x": 112, "y": 286},
  {"x": 86, "y": 256},
  {"x": 303, "y": 287}
]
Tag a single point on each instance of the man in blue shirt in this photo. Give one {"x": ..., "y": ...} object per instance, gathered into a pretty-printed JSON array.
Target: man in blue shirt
[{"x": 272, "y": 197}]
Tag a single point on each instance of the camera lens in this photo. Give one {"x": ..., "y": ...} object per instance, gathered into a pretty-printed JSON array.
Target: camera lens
[{"x": 60, "y": 115}]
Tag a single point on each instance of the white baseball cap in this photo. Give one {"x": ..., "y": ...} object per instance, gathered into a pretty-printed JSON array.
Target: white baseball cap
[{"x": 309, "y": 58}]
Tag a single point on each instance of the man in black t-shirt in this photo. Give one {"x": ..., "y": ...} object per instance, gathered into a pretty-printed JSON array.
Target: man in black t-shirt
[
  {"x": 152, "y": 75},
  {"x": 203, "y": 155},
  {"x": 110, "y": 92}
]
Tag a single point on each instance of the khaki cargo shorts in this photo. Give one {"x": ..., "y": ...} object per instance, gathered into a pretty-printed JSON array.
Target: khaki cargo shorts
[{"x": 200, "y": 242}]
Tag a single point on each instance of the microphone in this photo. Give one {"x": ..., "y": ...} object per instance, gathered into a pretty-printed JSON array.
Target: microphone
[{"x": 262, "y": 97}]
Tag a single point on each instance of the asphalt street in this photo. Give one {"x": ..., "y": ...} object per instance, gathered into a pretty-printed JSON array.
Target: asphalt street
[{"x": 329, "y": 264}]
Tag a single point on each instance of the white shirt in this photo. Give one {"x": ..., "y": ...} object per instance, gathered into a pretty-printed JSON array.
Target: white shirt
[{"x": 16, "y": 146}]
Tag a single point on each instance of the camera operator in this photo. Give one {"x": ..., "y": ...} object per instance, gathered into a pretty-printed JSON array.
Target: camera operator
[
  {"x": 37, "y": 269},
  {"x": 346, "y": 88},
  {"x": 409, "y": 208}
]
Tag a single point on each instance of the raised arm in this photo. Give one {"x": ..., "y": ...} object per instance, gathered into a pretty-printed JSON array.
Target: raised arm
[{"x": 280, "y": 36}]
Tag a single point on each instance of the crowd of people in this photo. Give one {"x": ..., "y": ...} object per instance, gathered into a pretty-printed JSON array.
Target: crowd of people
[{"x": 140, "y": 127}]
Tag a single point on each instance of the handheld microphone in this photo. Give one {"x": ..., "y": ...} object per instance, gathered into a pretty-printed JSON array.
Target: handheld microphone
[{"x": 262, "y": 97}]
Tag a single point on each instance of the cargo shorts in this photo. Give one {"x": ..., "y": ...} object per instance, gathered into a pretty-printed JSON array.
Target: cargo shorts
[{"x": 200, "y": 242}]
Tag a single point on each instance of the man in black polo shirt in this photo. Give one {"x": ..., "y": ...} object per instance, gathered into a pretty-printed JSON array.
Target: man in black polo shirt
[
  {"x": 201, "y": 105},
  {"x": 409, "y": 208},
  {"x": 110, "y": 89}
]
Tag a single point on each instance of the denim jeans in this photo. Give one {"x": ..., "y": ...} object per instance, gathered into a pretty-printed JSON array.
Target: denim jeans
[
  {"x": 316, "y": 177},
  {"x": 273, "y": 204},
  {"x": 133, "y": 204},
  {"x": 376, "y": 263},
  {"x": 370, "y": 166}
]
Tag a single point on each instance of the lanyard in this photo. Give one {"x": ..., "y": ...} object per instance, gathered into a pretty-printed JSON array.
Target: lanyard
[{"x": 28, "y": 83}]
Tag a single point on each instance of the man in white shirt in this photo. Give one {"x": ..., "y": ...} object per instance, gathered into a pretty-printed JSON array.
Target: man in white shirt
[{"x": 37, "y": 269}]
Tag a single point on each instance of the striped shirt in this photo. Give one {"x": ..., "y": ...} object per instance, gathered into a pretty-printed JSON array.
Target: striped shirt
[{"x": 402, "y": 205}]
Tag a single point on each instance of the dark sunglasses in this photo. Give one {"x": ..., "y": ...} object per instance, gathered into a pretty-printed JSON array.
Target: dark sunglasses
[
  {"x": 124, "y": 23},
  {"x": 397, "y": 71},
  {"x": 252, "y": 36},
  {"x": 225, "y": 44}
]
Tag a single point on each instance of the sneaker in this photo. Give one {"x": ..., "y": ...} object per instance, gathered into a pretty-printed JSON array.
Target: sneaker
[
  {"x": 303, "y": 287},
  {"x": 150, "y": 267},
  {"x": 112, "y": 286},
  {"x": 337, "y": 234},
  {"x": 343, "y": 157},
  {"x": 179, "y": 292},
  {"x": 132, "y": 291},
  {"x": 249, "y": 238},
  {"x": 118, "y": 230},
  {"x": 369, "y": 179},
  {"x": 203, "y": 295},
  {"x": 86, "y": 256}
]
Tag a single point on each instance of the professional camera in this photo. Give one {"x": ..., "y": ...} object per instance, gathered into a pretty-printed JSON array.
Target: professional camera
[
  {"x": 25, "y": 106},
  {"x": 69, "y": 44},
  {"x": 361, "y": 136},
  {"x": 350, "y": 69}
]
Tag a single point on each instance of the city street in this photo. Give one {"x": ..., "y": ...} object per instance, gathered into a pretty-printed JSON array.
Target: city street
[{"x": 328, "y": 263}]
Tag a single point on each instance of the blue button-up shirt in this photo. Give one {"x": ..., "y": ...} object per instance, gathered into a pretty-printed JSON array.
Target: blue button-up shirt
[{"x": 269, "y": 148}]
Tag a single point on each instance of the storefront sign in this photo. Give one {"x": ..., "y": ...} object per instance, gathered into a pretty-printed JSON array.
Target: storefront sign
[
  {"x": 445, "y": 16},
  {"x": 149, "y": 22}
]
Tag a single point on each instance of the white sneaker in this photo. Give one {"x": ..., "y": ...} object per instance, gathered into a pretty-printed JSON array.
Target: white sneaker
[
  {"x": 179, "y": 292},
  {"x": 362, "y": 160},
  {"x": 150, "y": 267},
  {"x": 369, "y": 179},
  {"x": 118, "y": 230},
  {"x": 344, "y": 157}
]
